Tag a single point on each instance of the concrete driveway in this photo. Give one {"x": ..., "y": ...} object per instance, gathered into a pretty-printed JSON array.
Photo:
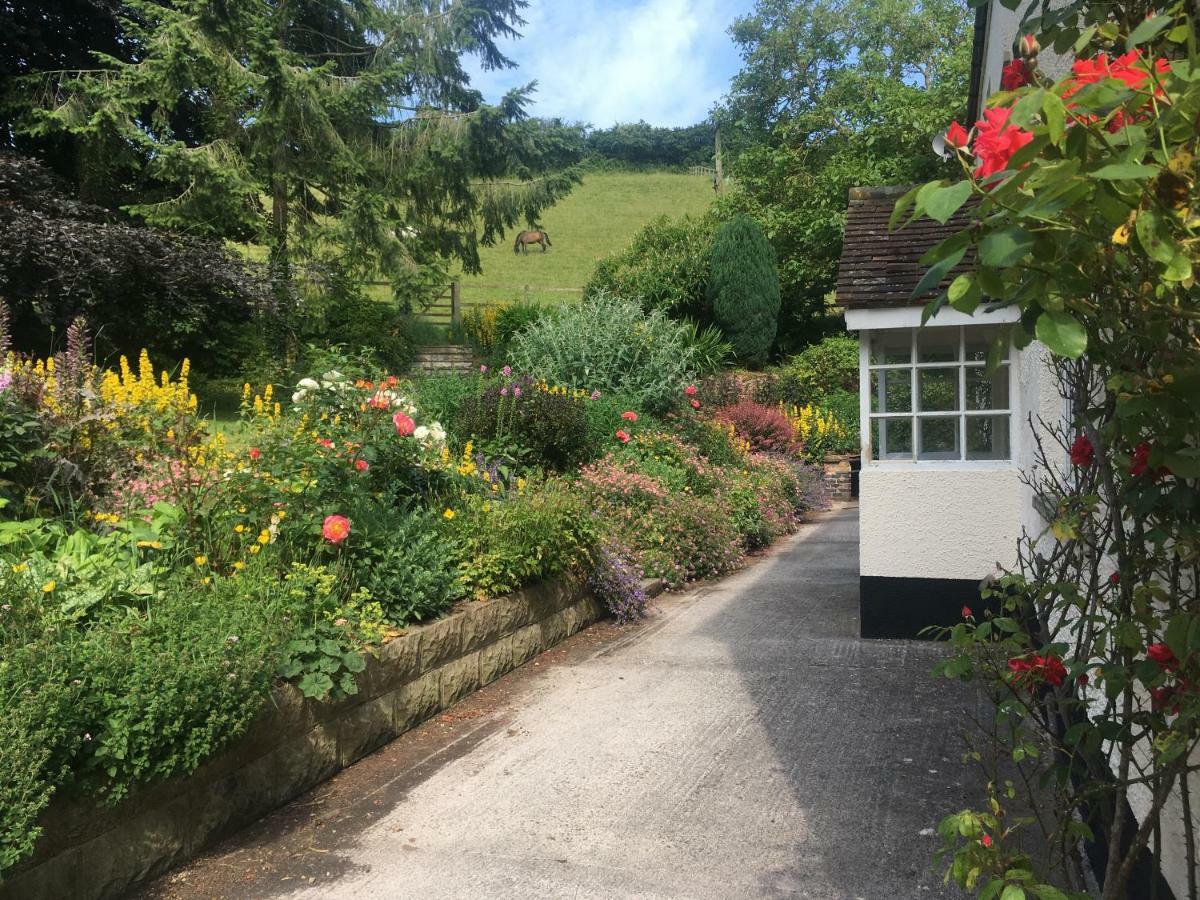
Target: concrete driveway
[{"x": 742, "y": 743}]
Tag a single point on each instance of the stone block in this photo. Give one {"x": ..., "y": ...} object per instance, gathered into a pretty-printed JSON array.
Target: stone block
[
  {"x": 482, "y": 624},
  {"x": 526, "y": 644},
  {"x": 416, "y": 701},
  {"x": 365, "y": 728},
  {"x": 398, "y": 662},
  {"x": 440, "y": 642},
  {"x": 554, "y": 629},
  {"x": 459, "y": 678},
  {"x": 495, "y": 659}
]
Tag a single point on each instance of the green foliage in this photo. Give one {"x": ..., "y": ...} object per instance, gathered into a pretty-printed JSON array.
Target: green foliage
[
  {"x": 638, "y": 145},
  {"x": 372, "y": 329},
  {"x": 440, "y": 395},
  {"x": 822, "y": 370},
  {"x": 533, "y": 423},
  {"x": 1085, "y": 221},
  {"x": 543, "y": 531},
  {"x": 831, "y": 96},
  {"x": 611, "y": 345},
  {"x": 665, "y": 266},
  {"x": 743, "y": 288}
]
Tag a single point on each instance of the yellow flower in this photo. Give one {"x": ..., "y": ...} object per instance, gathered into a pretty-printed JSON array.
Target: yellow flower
[
  {"x": 254, "y": 548},
  {"x": 264, "y": 537},
  {"x": 239, "y": 528},
  {"x": 201, "y": 560},
  {"x": 281, "y": 515},
  {"x": 448, "y": 514},
  {"x": 239, "y": 565},
  {"x": 206, "y": 580},
  {"x": 49, "y": 586},
  {"x": 153, "y": 545}
]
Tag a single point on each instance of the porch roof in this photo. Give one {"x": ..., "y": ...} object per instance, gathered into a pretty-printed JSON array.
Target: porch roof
[{"x": 879, "y": 268}]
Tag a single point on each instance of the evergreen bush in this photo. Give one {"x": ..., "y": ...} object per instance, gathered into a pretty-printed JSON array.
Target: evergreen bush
[{"x": 743, "y": 288}]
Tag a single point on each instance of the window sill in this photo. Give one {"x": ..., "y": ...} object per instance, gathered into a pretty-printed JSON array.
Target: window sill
[{"x": 941, "y": 465}]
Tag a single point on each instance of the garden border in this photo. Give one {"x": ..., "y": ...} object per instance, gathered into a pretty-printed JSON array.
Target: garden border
[{"x": 93, "y": 852}]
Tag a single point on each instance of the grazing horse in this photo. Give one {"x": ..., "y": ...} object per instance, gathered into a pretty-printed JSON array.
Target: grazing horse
[{"x": 525, "y": 238}]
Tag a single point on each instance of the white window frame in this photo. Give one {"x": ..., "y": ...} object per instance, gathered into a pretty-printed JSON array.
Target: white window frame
[{"x": 961, "y": 365}]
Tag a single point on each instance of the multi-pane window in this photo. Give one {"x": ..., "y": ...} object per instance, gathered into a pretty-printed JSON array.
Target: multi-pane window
[{"x": 932, "y": 396}]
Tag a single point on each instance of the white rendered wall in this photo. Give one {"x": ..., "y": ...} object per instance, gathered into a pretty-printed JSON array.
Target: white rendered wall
[{"x": 955, "y": 520}]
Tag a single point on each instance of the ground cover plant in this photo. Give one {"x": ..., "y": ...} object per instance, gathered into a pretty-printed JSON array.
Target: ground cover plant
[{"x": 158, "y": 576}]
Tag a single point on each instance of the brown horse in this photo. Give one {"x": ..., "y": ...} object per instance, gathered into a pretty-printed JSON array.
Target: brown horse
[{"x": 525, "y": 238}]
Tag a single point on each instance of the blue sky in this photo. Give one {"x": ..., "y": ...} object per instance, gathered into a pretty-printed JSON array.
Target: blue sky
[{"x": 608, "y": 61}]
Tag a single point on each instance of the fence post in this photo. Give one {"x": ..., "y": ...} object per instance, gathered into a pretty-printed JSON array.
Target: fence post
[{"x": 455, "y": 304}]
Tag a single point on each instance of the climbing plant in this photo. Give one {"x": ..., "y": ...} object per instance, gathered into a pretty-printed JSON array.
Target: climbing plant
[{"x": 1088, "y": 222}]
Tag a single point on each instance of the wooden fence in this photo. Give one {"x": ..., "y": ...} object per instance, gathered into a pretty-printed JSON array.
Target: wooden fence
[
  {"x": 448, "y": 306},
  {"x": 706, "y": 171}
]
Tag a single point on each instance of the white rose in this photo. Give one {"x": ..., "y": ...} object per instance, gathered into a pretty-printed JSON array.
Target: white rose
[
  {"x": 421, "y": 433},
  {"x": 298, "y": 396},
  {"x": 308, "y": 384}
]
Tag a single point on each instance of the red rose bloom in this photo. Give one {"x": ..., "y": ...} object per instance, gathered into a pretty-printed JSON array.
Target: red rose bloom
[
  {"x": 335, "y": 529},
  {"x": 405, "y": 426},
  {"x": 629, "y": 416},
  {"x": 1114, "y": 579},
  {"x": 1141, "y": 459},
  {"x": 255, "y": 453},
  {"x": 1014, "y": 75},
  {"x": 966, "y": 612},
  {"x": 622, "y": 436},
  {"x": 1164, "y": 699},
  {"x": 1029, "y": 671},
  {"x": 1082, "y": 451},
  {"x": 690, "y": 390},
  {"x": 996, "y": 141},
  {"x": 361, "y": 465},
  {"x": 957, "y": 136},
  {"x": 1164, "y": 656},
  {"x": 695, "y": 404},
  {"x": 986, "y": 840}
]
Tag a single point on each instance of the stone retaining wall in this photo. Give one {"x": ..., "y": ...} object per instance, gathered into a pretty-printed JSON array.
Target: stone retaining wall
[{"x": 92, "y": 852}]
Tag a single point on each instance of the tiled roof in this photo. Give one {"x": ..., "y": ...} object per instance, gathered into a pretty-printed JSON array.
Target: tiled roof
[{"x": 881, "y": 268}]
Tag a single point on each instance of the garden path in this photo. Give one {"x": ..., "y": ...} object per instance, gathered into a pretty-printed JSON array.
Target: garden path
[{"x": 742, "y": 743}]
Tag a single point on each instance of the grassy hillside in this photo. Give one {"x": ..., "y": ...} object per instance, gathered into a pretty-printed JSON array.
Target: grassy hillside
[{"x": 598, "y": 218}]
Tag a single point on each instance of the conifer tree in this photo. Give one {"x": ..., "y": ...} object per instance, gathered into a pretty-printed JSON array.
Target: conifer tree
[
  {"x": 743, "y": 288},
  {"x": 341, "y": 134}
]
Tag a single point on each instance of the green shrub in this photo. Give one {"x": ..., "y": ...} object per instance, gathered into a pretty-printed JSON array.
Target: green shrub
[
  {"x": 815, "y": 374},
  {"x": 743, "y": 288},
  {"x": 665, "y": 267},
  {"x": 533, "y": 423},
  {"x": 545, "y": 530},
  {"x": 440, "y": 395},
  {"x": 513, "y": 319},
  {"x": 611, "y": 345},
  {"x": 359, "y": 323}
]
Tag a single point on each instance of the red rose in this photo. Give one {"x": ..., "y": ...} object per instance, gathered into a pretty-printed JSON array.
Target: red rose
[
  {"x": 629, "y": 416},
  {"x": 986, "y": 840},
  {"x": 362, "y": 465},
  {"x": 1014, "y": 75},
  {"x": 1082, "y": 451},
  {"x": 405, "y": 426},
  {"x": 1029, "y": 671},
  {"x": 996, "y": 141},
  {"x": 335, "y": 529},
  {"x": 966, "y": 612},
  {"x": 1164, "y": 656},
  {"x": 695, "y": 404},
  {"x": 1053, "y": 671},
  {"x": 1114, "y": 579},
  {"x": 1028, "y": 46},
  {"x": 622, "y": 436},
  {"x": 255, "y": 453},
  {"x": 690, "y": 390},
  {"x": 957, "y": 136},
  {"x": 1082, "y": 680},
  {"x": 1140, "y": 461},
  {"x": 1164, "y": 699}
]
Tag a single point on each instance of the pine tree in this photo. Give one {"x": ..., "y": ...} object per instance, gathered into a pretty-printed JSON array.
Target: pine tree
[
  {"x": 743, "y": 288},
  {"x": 341, "y": 134}
]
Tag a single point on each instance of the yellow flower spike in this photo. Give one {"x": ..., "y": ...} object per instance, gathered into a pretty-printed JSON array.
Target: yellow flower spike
[{"x": 246, "y": 392}]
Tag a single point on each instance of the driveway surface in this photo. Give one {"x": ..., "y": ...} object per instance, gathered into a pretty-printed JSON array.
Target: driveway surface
[{"x": 741, "y": 743}]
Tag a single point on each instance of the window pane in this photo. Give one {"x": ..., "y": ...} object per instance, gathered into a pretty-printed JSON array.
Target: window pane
[
  {"x": 986, "y": 391},
  {"x": 891, "y": 346},
  {"x": 978, "y": 341},
  {"x": 939, "y": 389},
  {"x": 937, "y": 345},
  {"x": 891, "y": 390},
  {"x": 939, "y": 437},
  {"x": 891, "y": 438},
  {"x": 987, "y": 437}
]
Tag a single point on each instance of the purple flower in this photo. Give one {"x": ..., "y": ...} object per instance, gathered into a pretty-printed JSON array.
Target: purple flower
[
  {"x": 595, "y": 395},
  {"x": 503, "y": 392},
  {"x": 5, "y": 380},
  {"x": 506, "y": 371},
  {"x": 516, "y": 392},
  {"x": 483, "y": 370}
]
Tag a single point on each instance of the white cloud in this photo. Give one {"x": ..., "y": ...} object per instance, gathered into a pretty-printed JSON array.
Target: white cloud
[{"x": 665, "y": 61}]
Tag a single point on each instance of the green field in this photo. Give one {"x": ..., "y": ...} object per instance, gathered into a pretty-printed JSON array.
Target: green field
[{"x": 598, "y": 218}]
